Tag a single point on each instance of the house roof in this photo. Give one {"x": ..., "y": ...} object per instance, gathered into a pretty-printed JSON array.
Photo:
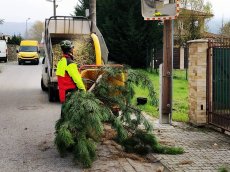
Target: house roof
[
  {"x": 187, "y": 12},
  {"x": 213, "y": 35}
]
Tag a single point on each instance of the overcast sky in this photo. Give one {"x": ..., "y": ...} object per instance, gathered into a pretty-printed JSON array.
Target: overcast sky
[
  {"x": 221, "y": 9},
  {"x": 21, "y": 10}
]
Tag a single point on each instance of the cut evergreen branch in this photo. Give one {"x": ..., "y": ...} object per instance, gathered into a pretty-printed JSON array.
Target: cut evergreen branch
[
  {"x": 80, "y": 126},
  {"x": 224, "y": 169},
  {"x": 143, "y": 143},
  {"x": 83, "y": 114}
]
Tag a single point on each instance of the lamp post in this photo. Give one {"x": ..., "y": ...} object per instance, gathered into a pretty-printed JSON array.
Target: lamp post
[
  {"x": 54, "y": 5},
  {"x": 26, "y": 27}
]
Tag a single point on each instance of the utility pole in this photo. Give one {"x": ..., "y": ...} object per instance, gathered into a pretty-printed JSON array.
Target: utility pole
[
  {"x": 54, "y": 5},
  {"x": 166, "y": 12},
  {"x": 166, "y": 96}
]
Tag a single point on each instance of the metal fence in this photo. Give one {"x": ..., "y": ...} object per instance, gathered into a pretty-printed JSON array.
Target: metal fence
[{"x": 218, "y": 83}]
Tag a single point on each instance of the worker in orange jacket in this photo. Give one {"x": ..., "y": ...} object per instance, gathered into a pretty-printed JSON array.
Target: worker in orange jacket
[{"x": 69, "y": 78}]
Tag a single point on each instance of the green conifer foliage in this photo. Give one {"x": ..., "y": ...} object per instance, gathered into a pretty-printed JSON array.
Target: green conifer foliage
[
  {"x": 143, "y": 142},
  {"x": 80, "y": 126},
  {"x": 83, "y": 114},
  {"x": 130, "y": 39},
  {"x": 81, "y": 7}
]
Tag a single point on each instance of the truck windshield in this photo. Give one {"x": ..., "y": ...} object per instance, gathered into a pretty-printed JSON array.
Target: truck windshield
[{"x": 28, "y": 49}]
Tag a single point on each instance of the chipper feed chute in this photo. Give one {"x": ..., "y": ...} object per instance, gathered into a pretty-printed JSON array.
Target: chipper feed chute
[{"x": 92, "y": 73}]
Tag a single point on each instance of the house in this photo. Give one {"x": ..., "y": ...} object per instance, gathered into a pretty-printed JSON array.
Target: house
[{"x": 181, "y": 32}]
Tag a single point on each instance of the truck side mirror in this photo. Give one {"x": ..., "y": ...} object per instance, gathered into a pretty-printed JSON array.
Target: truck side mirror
[
  {"x": 39, "y": 51},
  {"x": 17, "y": 51}
]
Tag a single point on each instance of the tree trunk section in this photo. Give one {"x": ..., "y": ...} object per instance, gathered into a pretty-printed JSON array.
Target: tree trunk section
[{"x": 92, "y": 14}]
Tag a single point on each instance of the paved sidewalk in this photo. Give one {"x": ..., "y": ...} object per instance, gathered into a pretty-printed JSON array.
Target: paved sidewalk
[
  {"x": 206, "y": 150},
  {"x": 112, "y": 158}
]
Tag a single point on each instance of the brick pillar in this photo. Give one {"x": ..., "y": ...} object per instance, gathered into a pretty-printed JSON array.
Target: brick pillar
[{"x": 197, "y": 81}]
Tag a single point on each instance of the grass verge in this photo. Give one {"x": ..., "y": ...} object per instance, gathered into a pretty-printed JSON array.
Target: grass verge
[{"x": 180, "y": 95}]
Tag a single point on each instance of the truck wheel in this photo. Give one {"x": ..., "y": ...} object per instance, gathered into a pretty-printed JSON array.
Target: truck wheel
[
  {"x": 57, "y": 96},
  {"x": 44, "y": 88},
  {"x": 51, "y": 94}
]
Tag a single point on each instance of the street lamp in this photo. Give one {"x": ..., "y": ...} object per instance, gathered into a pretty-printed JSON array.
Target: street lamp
[
  {"x": 54, "y": 5},
  {"x": 26, "y": 27}
]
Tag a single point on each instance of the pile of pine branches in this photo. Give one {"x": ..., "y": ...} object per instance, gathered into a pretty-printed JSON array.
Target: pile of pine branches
[{"x": 81, "y": 124}]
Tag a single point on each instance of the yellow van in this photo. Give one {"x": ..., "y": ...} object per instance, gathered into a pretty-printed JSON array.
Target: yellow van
[{"x": 28, "y": 52}]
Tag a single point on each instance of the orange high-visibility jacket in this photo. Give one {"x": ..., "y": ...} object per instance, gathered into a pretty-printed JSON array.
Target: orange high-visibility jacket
[{"x": 68, "y": 76}]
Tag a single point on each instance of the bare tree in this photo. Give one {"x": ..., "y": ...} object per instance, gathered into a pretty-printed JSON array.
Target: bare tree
[
  {"x": 1, "y": 21},
  {"x": 225, "y": 30},
  {"x": 36, "y": 30}
]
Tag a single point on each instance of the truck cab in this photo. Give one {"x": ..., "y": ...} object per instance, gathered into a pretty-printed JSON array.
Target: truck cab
[{"x": 28, "y": 52}]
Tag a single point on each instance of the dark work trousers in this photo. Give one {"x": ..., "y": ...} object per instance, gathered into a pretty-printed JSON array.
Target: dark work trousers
[{"x": 67, "y": 93}]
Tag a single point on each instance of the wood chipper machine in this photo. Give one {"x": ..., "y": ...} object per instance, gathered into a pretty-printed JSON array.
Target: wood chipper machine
[
  {"x": 91, "y": 52},
  {"x": 92, "y": 74}
]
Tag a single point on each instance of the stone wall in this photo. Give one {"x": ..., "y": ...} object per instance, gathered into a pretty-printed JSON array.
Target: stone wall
[
  {"x": 197, "y": 81},
  {"x": 12, "y": 54}
]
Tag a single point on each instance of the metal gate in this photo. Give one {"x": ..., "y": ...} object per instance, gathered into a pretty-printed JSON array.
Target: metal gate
[{"x": 218, "y": 83}]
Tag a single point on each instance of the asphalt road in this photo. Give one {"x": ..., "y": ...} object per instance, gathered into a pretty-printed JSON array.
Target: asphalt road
[{"x": 27, "y": 121}]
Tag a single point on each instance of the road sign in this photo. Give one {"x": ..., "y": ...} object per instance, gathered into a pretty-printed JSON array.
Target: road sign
[{"x": 160, "y": 9}]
